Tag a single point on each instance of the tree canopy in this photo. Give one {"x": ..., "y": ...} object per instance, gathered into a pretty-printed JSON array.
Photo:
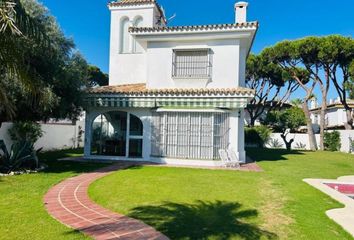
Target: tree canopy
[
  {"x": 56, "y": 74},
  {"x": 97, "y": 77},
  {"x": 272, "y": 84},
  {"x": 350, "y": 84},
  {"x": 317, "y": 61},
  {"x": 286, "y": 121}
]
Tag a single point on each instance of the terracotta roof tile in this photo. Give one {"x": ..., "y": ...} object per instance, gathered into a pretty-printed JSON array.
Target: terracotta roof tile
[
  {"x": 140, "y": 89},
  {"x": 194, "y": 28}
]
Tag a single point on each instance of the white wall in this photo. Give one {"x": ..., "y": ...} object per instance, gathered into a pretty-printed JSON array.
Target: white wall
[
  {"x": 225, "y": 70},
  {"x": 128, "y": 68},
  {"x": 55, "y": 136},
  {"x": 303, "y": 139},
  {"x": 154, "y": 65}
]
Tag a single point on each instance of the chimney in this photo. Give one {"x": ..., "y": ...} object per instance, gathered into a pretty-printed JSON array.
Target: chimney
[{"x": 241, "y": 12}]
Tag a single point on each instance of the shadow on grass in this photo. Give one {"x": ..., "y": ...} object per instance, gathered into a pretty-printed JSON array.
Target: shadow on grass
[
  {"x": 265, "y": 154},
  {"x": 202, "y": 220},
  {"x": 55, "y": 166}
]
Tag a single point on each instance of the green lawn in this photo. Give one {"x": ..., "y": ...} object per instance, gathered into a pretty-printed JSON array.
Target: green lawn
[
  {"x": 190, "y": 203},
  {"x": 217, "y": 204},
  {"x": 22, "y": 213}
]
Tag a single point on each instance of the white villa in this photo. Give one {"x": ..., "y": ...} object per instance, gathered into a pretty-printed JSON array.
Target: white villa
[
  {"x": 335, "y": 116},
  {"x": 176, "y": 94}
]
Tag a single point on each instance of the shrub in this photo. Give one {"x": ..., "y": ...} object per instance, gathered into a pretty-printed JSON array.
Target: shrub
[
  {"x": 26, "y": 131},
  {"x": 252, "y": 137},
  {"x": 258, "y": 135},
  {"x": 300, "y": 145},
  {"x": 21, "y": 156},
  {"x": 264, "y": 133},
  {"x": 332, "y": 141},
  {"x": 275, "y": 143}
]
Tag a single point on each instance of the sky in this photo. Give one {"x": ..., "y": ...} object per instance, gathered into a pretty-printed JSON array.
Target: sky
[{"x": 88, "y": 21}]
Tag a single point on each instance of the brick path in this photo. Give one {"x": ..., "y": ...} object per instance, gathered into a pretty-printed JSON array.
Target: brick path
[{"x": 69, "y": 203}]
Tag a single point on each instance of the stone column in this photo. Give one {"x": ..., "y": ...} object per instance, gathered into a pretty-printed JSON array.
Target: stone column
[
  {"x": 237, "y": 135},
  {"x": 88, "y": 131}
]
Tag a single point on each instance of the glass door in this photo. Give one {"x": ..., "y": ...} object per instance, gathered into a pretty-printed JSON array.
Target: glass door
[
  {"x": 109, "y": 137},
  {"x": 135, "y": 148}
]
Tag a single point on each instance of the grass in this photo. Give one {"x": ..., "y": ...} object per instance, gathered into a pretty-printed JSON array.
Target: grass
[
  {"x": 207, "y": 204},
  {"x": 22, "y": 213},
  {"x": 190, "y": 203}
]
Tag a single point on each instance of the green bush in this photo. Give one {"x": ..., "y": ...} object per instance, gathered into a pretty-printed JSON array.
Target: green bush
[
  {"x": 26, "y": 131},
  {"x": 258, "y": 135},
  {"x": 332, "y": 141},
  {"x": 22, "y": 156}
]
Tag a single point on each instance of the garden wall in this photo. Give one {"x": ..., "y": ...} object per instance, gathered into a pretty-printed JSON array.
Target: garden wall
[
  {"x": 302, "y": 140},
  {"x": 55, "y": 136}
]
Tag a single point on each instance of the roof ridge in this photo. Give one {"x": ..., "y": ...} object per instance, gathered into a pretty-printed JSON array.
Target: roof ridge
[{"x": 195, "y": 27}]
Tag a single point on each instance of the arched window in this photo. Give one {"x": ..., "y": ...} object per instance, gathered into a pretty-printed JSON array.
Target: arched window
[
  {"x": 117, "y": 133},
  {"x": 125, "y": 36},
  {"x": 138, "y": 22}
]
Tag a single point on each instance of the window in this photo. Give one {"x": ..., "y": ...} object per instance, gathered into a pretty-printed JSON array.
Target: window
[
  {"x": 135, "y": 137},
  {"x": 192, "y": 63},
  {"x": 117, "y": 134},
  {"x": 138, "y": 22},
  {"x": 189, "y": 135},
  {"x": 125, "y": 36}
]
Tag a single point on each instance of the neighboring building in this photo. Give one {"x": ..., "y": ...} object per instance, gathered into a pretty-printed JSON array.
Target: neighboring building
[
  {"x": 267, "y": 106},
  {"x": 335, "y": 116},
  {"x": 176, "y": 95}
]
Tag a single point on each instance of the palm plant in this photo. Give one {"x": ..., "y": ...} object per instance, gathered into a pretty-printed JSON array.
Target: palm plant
[{"x": 15, "y": 25}]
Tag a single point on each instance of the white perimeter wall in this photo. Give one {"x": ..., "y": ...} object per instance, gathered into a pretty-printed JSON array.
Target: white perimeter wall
[
  {"x": 55, "y": 136},
  {"x": 346, "y": 137}
]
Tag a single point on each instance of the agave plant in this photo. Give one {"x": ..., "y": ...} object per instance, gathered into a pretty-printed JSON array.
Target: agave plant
[
  {"x": 21, "y": 156},
  {"x": 3, "y": 148}
]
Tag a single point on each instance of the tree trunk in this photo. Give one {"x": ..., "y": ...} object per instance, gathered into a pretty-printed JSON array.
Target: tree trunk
[
  {"x": 252, "y": 121},
  {"x": 349, "y": 123},
  {"x": 312, "y": 138},
  {"x": 323, "y": 119},
  {"x": 287, "y": 144}
]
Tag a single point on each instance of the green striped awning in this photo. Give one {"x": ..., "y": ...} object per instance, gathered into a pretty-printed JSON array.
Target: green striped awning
[{"x": 153, "y": 102}]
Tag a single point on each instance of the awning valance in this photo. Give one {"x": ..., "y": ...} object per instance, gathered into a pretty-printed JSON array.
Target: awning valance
[{"x": 155, "y": 102}]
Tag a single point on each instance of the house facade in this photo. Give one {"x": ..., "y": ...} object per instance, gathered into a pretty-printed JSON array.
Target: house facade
[
  {"x": 335, "y": 116},
  {"x": 176, "y": 94}
]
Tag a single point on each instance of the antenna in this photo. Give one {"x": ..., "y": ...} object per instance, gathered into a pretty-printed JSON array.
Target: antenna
[{"x": 172, "y": 17}]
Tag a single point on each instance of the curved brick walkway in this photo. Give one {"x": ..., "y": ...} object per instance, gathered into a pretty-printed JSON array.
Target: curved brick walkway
[{"x": 69, "y": 203}]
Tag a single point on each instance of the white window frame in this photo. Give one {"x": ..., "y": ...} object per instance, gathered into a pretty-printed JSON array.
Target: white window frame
[{"x": 133, "y": 137}]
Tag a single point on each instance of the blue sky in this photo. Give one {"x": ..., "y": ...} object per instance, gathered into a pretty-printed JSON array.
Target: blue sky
[{"x": 88, "y": 21}]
